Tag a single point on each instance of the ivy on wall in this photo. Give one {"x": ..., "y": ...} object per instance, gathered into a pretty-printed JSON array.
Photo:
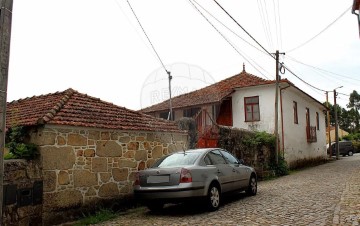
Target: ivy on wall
[
  {"x": 18, "y": 148},
  {"x": 189, "y": 124}
]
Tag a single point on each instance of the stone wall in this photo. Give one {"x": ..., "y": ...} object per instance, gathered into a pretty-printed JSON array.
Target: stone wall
[
  {"x": 83, "y": 166},
  {"x": 22, "y": 194}
]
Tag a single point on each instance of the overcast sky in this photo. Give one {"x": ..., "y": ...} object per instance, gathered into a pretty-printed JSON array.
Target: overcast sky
[{"x": 97, "y": 47}]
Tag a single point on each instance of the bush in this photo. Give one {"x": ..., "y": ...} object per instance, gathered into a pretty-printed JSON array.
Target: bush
[
  {"x": 356, "y": 146},
  {"x": 260, "y": 139},
  {"x": 281, "y": 169},
  {"x": 18, "y": 149}
]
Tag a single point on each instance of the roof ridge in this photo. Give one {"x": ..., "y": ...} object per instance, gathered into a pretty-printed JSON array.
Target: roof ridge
[{"x": 57, "y": 107}]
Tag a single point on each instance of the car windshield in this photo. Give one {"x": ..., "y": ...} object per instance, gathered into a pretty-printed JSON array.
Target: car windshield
[{"x": 178, "y": 159}]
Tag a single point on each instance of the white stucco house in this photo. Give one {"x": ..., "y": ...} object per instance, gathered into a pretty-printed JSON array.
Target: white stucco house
[{"x": 248, "y": 102}]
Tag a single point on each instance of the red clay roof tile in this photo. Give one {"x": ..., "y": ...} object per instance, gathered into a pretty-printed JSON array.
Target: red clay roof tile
[
  {"x": 76, "y": 109},
  {"x": 210, "y": 94}
]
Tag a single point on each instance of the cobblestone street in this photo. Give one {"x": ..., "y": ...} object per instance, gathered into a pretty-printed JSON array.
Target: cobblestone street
[{"x": 328, "y": 194}]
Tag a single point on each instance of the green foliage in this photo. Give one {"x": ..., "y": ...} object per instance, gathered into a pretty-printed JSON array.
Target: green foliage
[
  {"x": 100, "y": 216},
  {"x": 349, "y": 120},
  {"x": 260, "y": 139},
  {"x": 281, "y": 169},
  {"x": 18, "y": 148},
  {"x": 352, "y": 136},
  {"x": 189, "y": 124},
  {"x": 9, "y": 156}
]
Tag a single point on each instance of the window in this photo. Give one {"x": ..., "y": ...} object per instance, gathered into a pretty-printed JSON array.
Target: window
[
  {"x": 216, "y": 157},
  {"x": 165, "y": 115},
  {"x": 229, "y": 158},
  {"x": 296, "y": 121},
  {"x": 190, "y": 112},
  {"x": 307, "y": 117},
  {"x": 252, "y": 110},
  {"x": 317, "y": 120},
  {"x": 177, "y": 159}
]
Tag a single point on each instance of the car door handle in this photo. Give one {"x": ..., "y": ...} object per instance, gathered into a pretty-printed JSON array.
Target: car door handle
[
  {"x": 218, "y": 171},
  {"x": 234, "y": 170}
]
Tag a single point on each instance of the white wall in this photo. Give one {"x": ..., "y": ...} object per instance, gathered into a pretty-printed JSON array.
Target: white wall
[
  {"x": 267, "y": 108},
  {"x": 295, "y": 143},
  {"x": 296, "y": 146}
]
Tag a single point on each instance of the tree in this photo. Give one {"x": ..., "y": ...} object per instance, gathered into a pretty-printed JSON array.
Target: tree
[
  {"x": 354, "y": 101},
  {"x": 354, "y": 105}
]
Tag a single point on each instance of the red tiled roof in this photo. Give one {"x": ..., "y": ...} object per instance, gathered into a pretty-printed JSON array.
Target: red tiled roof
[
  {"x": 76, "y": 109},
  {"x": 210, "y": 94}
]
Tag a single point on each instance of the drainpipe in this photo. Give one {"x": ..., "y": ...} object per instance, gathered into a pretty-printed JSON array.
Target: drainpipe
[{"x": 282, "y": 121}]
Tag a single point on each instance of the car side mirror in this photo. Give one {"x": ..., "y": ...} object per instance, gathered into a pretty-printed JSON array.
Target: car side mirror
[{"x": 241, "y": 162}]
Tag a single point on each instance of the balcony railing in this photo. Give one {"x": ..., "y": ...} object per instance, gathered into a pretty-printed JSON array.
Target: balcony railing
[{"x": 311, "y": 134}]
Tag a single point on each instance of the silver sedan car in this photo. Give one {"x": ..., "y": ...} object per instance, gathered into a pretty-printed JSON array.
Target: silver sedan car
[{"x": 197, "y": 173}]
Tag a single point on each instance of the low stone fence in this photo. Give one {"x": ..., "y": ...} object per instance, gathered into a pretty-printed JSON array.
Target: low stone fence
[{"x": 23, "y": 190}]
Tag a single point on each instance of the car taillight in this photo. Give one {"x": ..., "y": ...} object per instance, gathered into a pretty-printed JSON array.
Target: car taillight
[
  {"x": 185, "y": 176},
  {"x": 137, "y": 178}
]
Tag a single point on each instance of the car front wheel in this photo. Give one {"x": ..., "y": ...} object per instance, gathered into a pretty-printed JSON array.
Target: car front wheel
[
  {"x": 252, "y": 187},
  {"x": 213, "y": 197},
  {"x": 350, "y": 153}
]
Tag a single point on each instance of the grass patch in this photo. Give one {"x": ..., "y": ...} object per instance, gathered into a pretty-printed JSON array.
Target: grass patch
[{"x": 99, "y": 216}]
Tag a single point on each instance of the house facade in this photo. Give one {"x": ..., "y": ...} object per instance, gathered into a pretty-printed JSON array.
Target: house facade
[
  {"x": 89, "y": 149},
  {"x": 248, "y": 102}
]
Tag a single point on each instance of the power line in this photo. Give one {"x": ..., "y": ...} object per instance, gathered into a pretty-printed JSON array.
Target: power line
[
  {"x": 320, "y": 69},
  {"x": 224, "y": 37},
  {"x": 262, "y": 16},
  {"x": 267, "y": 50},
  {"x": 278, "y": 7},
  {"x": 306, "y": 42},
  {"x": 133, "y": 26},
  {"x": 288, "y": 69},
  {"x": 245, "y": 31},
  {"x": 268, "y": 24},
  {"x": 167, "y": 72},
  {"x": 228, "y": 28},
  {"x": 343, "y": 94},
  {"x": 147, "y": 37}
]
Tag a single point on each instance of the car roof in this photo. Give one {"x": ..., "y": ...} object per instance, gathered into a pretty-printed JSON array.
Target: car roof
[{"x": 201, "y": 150}]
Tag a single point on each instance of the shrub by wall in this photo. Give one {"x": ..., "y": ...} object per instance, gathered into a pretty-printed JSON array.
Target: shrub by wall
[{"x": 255, "y": 148}]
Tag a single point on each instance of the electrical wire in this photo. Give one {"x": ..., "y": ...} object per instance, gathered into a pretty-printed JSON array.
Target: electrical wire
[
  {"x": 276, "y": 25},
  {"x": 262, "y": 16},
  {"x": 268, "y": 25},
  {"x": 320, "y": 69},
  {"x": 228, "y": 28},
  {"x": 271, "y": 55},
  {"x": 224, "y": 37},
  {"x": 147, "y": 37},
  {"x": 306, "y": 42},
  {"x": 136, "y": 30},
  {"x": 287, "y": 68},
  {"x": 278, "y": 7}
]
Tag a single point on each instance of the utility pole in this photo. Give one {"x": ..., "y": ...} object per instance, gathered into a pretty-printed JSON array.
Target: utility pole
[
  {"x": 5, "y": 34},
  {"x": 277, "y": 108},
  {"x": 170, "y": 116},
  {"x": 328, "y": 123},
  {"x": 336, "y": 127}
]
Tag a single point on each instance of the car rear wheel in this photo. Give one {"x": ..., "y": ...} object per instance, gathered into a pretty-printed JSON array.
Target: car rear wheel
[
  {"x": 155, "y": 207},
  {"x": 252, "y": 187},
  {"x": 213, "y": 197},
  {"x": 350, "y": 153}
]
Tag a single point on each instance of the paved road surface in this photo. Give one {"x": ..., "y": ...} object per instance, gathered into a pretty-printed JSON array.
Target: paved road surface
[{"x": 328, "y": 194}]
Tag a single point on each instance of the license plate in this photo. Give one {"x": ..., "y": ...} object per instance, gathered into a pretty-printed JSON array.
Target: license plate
[{"x": 158, "y": 179}]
